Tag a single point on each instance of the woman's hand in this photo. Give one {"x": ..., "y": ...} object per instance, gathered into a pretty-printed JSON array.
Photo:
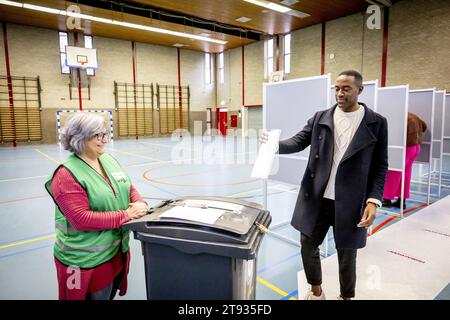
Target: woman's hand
[{"x": 137, "y": 210}]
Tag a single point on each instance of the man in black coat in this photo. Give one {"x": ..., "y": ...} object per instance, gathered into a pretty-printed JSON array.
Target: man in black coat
[{"x": 343, "y": 181}]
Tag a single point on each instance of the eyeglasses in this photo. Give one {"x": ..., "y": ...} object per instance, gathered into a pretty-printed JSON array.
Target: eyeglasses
[{"x": 101, "y": 136}]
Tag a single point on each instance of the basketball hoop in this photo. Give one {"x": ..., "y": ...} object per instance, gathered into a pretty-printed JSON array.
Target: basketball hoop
[{"x": 82, "y": 60}]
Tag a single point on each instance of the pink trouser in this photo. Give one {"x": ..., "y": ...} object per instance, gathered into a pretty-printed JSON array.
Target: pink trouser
[{"x": 393, "y": 185}]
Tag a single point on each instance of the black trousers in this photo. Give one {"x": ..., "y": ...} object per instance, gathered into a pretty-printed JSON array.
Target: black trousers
[{"x": 311, "y": 253}]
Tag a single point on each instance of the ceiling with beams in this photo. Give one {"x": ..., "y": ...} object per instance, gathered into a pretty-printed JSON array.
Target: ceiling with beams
[{"x": 213, "y": 19}]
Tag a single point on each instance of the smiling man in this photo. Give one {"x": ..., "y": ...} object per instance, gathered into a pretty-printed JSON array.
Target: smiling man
[{"x": 343, "y": 181}]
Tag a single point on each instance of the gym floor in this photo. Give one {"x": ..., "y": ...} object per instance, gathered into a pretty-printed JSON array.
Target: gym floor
[{"x": 27, "y": 268}]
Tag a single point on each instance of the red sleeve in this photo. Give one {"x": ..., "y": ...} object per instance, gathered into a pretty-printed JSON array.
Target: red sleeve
[
  {"x": 135, "y": 196},
  {"x": 74, "y": 204}
]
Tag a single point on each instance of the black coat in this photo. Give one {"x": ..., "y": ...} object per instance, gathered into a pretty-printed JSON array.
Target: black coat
[{"x": 361, "y": 174}]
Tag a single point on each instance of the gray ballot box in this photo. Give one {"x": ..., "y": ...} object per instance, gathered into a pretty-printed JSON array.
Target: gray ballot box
[{"x": 201, "y": 248}]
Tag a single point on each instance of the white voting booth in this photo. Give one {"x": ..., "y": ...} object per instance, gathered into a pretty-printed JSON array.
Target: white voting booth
[
  {"x": 438, "y": 136},
  {"x": 392, "y": 103},
  {"x": 422, "y": 102}
]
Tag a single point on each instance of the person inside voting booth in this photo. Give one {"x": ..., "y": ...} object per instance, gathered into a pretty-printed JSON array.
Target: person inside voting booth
[{"x": 415, "y": 129}]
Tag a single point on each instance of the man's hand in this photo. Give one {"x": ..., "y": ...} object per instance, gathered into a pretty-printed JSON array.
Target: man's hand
[
  {"x": 370, "y": 212},
  {"x": 264, "y": 137}
]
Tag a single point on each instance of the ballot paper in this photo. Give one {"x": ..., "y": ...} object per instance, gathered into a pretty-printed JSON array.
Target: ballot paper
[
  {"x": 228, "y": 206},
  {"x": 208, "y": 216},
  {"x": 264, "y": 161}
]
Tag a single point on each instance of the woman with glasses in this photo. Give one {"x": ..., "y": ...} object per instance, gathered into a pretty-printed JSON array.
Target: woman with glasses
[{"x": 93, "y": 198}]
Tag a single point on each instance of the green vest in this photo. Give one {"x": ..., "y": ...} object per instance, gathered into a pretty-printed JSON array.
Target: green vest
[{"x": 88, "y": 249}]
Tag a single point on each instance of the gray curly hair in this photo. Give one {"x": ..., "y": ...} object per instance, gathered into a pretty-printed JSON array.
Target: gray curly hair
[{"x": 80, "y": 128}]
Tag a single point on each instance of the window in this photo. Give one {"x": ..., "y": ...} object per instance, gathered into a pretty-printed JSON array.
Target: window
[
  {"x": 63, "y": 42},
  {"x": 88, "y": 44},
  {"x": 287, "y": 54},
  {"x": 221, "y": 71},
  {"x": 207, "y": 68},
  {"x": 268, "y": 65}
]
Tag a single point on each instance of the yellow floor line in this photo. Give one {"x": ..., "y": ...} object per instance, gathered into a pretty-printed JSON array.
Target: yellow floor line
[
  {"x": 274, "y": 288},
  {"x": 140, "y": 156},
  {"x": 25, "y": 178},
  {"x": 235, "y": 195},
  {"x": 47, "y": 156},
  {"x": 15, "y": 244}
]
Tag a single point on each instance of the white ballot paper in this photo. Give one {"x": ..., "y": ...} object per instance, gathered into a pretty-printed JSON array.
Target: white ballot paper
[
  {"x": 208, "y": 216},
  {"x": 264, "y": 161}
]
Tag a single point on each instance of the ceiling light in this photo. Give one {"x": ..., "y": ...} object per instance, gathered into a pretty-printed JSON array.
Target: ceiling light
[
  {"x": 179, "y": 45},
  {"x": 39, "y": 8},
  {"x": 269, "y": 5},
  {"x": 109, "y": 21},
  {"x": 289, "y": 2},
  {"x": 11, "y": 3},
  {"x": 298, "y": 14},
  {"x": 243, "y": 19}
]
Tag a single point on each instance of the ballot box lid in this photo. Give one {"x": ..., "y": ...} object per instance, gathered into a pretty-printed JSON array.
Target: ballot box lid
[{"x": 209, "y": 219}]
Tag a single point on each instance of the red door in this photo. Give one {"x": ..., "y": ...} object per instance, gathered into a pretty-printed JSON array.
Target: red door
[
  {"x": 234, "y": 121},
  {"x": 223, "y": 120}
]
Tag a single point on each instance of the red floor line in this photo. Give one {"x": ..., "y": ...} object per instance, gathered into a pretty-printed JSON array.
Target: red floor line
[
  {"x": 381, "y": 225},
  {"x": 23, "y": 199},
  {"x": 406, "y": 256}
]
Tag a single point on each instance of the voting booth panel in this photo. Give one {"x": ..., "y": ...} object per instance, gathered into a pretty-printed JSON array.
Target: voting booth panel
[
  {"x": 446, "y": 136},
  {"x": 393, "y": 105},
  {"x": 438, "y": 122},
  {"x": 421, "y": 102},
  {"x": 438, "y": 129},
  {"x": 288, "y": 105}
]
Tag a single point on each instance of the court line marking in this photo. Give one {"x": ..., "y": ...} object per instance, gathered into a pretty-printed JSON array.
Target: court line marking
[
  {"x": 234, "y": 195},
  {"x": 273, "y": 287},
  {"x": 27, "y": 238},
  {"x": 377, "y": 228},
  {"x": 19, "y": 243},
  {"x": 25, "y": 251},
  {"x": 24, "y": 178},
  {"x": 291, "y": 295},
  {"x": 47, "y": 156},
  {"x": 406, "y": 256},
  {"x": 276, "y": 263},
  {"x": 139, "y": 156},
  {"x": 23, "y": 199}
]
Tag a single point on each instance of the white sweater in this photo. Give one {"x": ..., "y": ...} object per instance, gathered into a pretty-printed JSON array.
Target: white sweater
[{"x": 345, "y": 126}]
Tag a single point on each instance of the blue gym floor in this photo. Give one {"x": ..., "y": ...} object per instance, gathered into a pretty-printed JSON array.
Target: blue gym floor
[{"x": 27, "y": 269}]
